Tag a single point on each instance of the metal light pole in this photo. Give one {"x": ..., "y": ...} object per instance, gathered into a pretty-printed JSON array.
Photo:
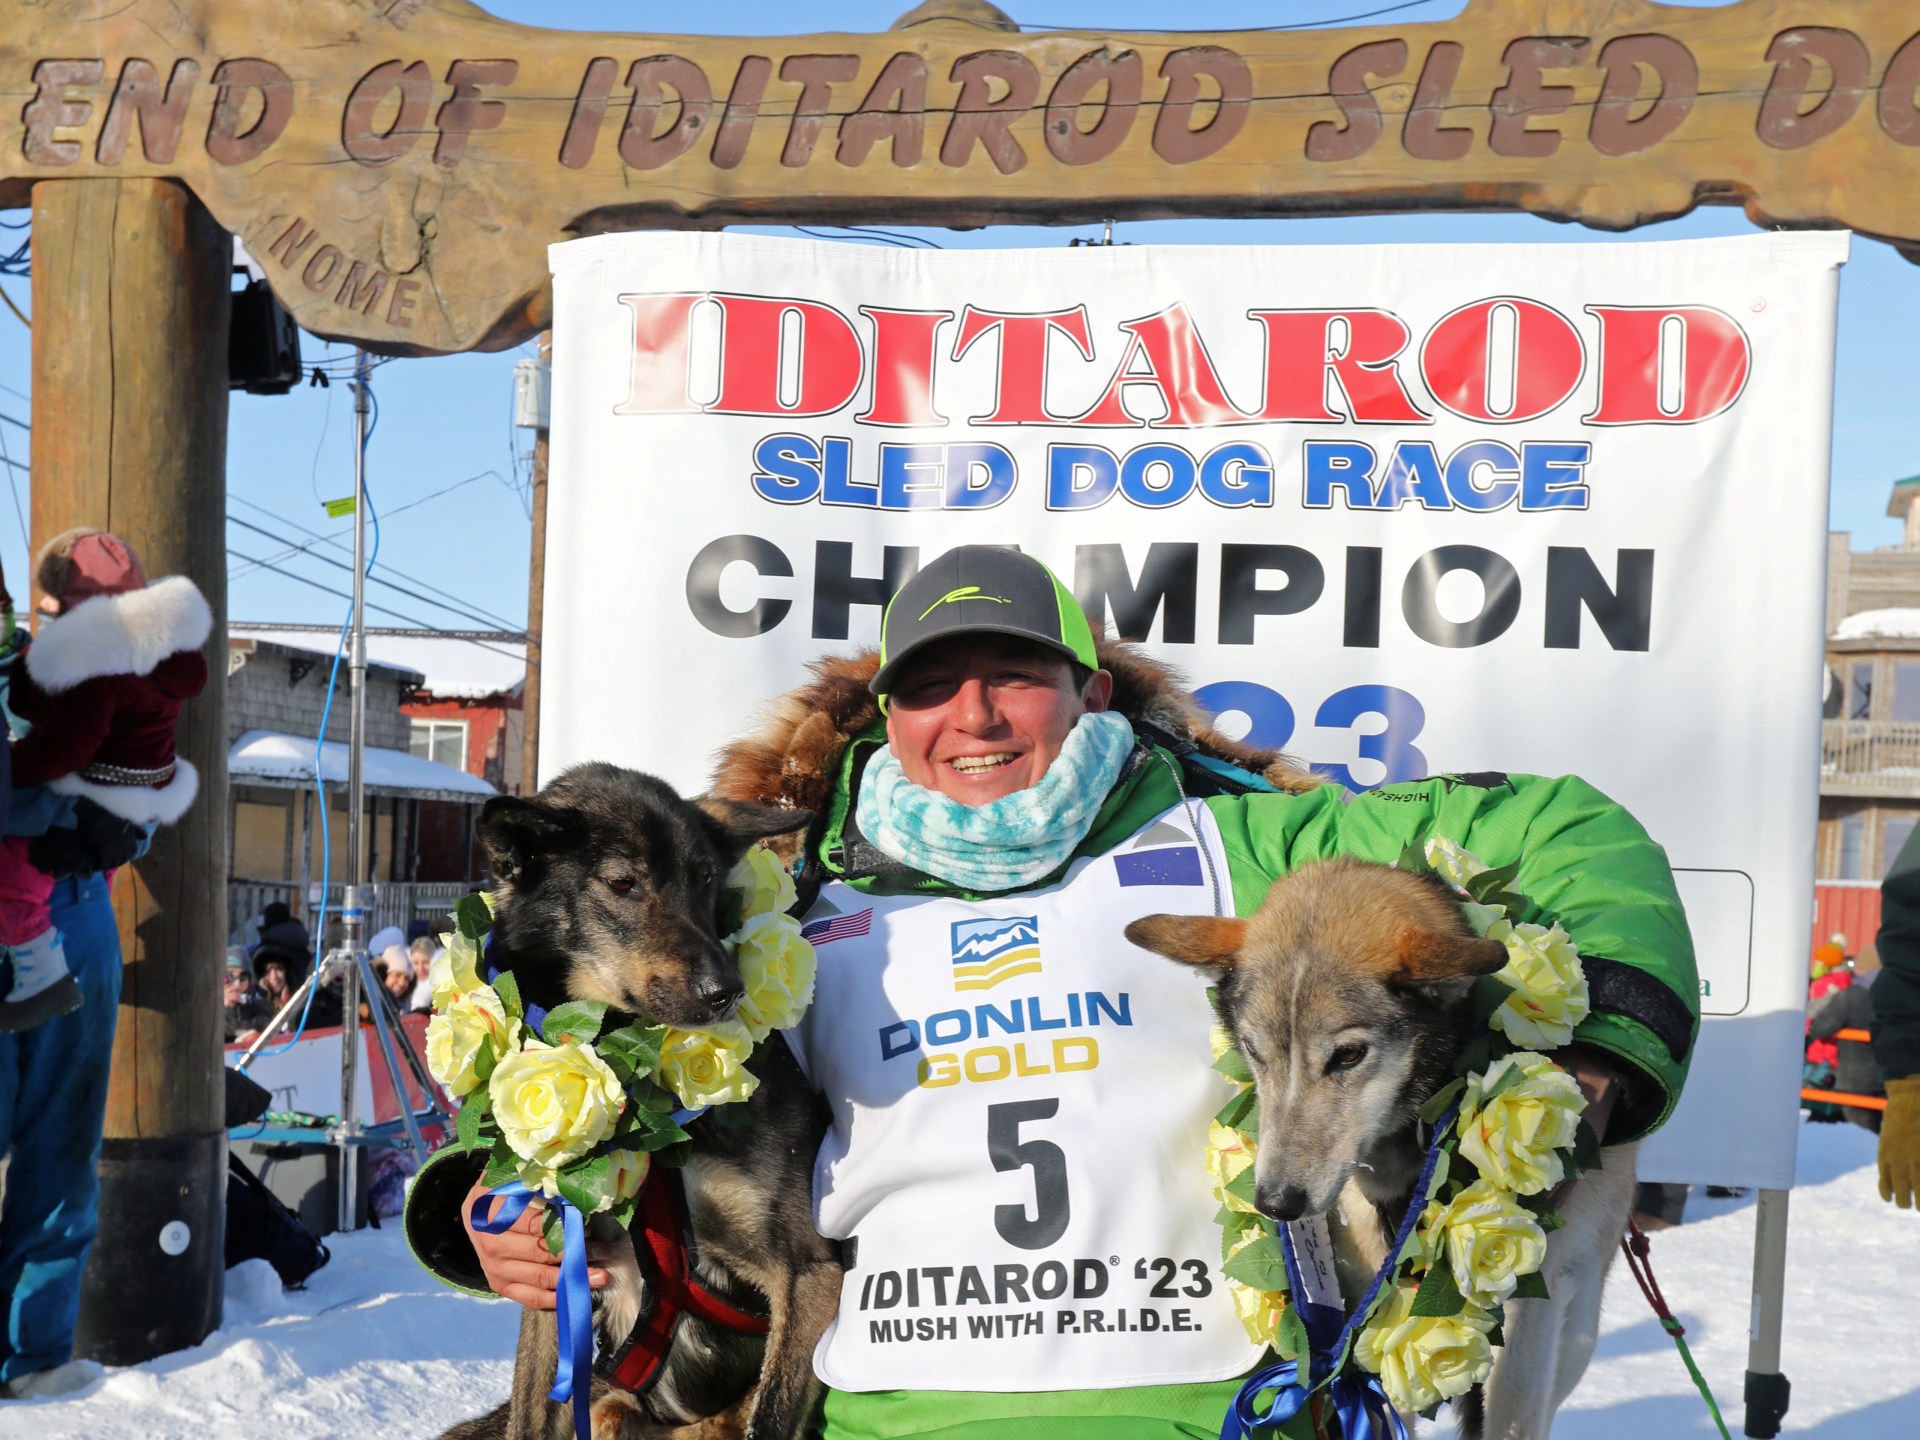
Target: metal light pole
[{"x": 353, "y": 912}]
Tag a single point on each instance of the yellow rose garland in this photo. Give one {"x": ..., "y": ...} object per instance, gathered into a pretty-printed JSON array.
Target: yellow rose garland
[
  {"x": 1515, "y": 1133},
  {"x": 579, "y": 1111}
]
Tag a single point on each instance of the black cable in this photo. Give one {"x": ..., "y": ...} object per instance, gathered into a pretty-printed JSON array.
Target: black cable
[
  {"x": 371, "y": 578},
  {"x": 439, "y": 630},
  {"x": 338, "y": 544}
]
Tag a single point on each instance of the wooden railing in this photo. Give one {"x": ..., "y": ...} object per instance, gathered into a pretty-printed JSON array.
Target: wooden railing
[{"x": 1873, "y": 757}]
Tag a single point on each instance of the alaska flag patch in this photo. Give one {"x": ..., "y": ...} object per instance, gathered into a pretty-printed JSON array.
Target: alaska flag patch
[{"x": 1175, "y": 865}]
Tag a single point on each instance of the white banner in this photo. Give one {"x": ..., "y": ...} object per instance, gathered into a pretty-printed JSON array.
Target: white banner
[{"x": 1532, "y": 508}]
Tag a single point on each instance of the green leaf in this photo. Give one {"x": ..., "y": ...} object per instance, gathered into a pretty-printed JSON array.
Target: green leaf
[
  {"x": 1290, "y": 1335},
  {"x": 637, "y": 1047},
  {"x": 1497, "y": 1336},
  {"x": 484, "y": 1064},
  {"x": 1493, "y": 881},
  {"x": 1442, "y": 1098},
  {"x": 471, "y": 916},
  {"x": 1241, "y": 1113},
  {"x": 1235, "y": 1225},
  {"x": 1474, "y": 1056},
  {"x": 1413, "y": 858},
  {"x": 1481, "y": 917},
  {"x": 1260, "y": 1265},
  {"x": 508, "y": 989},
  {"x": 1543, "y": 1211},
  {"x": 502, "y": 1165},
  {"x": 674, "y": 1156},
  {"x": 1531, "y": 1286},
  {"x": 467, "y": 1128},
  {"x": 733, "y": 914},
  {"x": 584, "y": 1183},
  {"x": 1513, "y": 1075},
  {"x": 1233, "y": 1065},
  {"x": 1586, "y": 1147},
  {"x": 553, "y": 1229},
  {"x": 576, "y": 1020},
  {"x": 622, "y": 1213},
  {"x": 1438, "y": 1295},
  {"x": 660, "y": 1140},
  {"x": 1241, "y": 1186}
]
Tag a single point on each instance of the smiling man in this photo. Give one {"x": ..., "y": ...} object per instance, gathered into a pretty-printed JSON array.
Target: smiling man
[{"x": 1020, "y": 1098}]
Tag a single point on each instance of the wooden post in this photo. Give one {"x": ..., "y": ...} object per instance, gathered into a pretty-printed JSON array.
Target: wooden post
[
  {"x": 536, "y": 603},
  {"x": 131, "y": 303}
]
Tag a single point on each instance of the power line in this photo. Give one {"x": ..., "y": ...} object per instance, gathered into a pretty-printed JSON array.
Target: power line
[
  {"x": 374, "y": 579},
  {"x": 460, "y": 602},
  {"x": 426, "y": 626}
]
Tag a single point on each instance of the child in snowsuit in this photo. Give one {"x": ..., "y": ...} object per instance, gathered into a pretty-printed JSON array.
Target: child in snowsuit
[{"x": 102, "y": 685}]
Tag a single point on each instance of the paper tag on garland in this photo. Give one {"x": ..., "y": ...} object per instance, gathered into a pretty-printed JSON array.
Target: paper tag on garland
[{"x": 1313, "y": 1251}]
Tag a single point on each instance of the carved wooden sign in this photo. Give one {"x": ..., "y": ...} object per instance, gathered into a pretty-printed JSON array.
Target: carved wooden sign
[{"x": 399, "y": 166}]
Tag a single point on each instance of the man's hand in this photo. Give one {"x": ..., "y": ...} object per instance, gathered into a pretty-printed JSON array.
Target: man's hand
[
  {"x": 1599, "y": 1082},
  {"x": 1900, "y": 1143},
  {"x": 516, "y": 1262}
]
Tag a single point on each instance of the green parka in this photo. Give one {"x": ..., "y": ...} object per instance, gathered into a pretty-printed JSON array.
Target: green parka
[{"x": 1583, "y": 861}]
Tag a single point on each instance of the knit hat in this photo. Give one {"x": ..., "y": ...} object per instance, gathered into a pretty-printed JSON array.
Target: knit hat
[{"x": 84, "y": 563}]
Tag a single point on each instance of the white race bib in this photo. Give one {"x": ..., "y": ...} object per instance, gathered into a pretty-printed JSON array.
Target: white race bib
[{"x": 1020, "y": 1102}]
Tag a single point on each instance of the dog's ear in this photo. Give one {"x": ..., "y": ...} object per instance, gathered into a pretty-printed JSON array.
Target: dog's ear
[
  {"x": 514, "y": 831},
  {"x": 1208, "y": 940},
  {"x": 738, "y": 824},
  {"x": 1425, "y": 956}
]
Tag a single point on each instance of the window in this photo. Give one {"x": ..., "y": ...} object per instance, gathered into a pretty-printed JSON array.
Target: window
[
  {"x": 1853, "y": 846},
  {"x": 1893, "y": 834},
  {"x": 1906, "y": 690},
  {"x": 1860, "y": 690},
  {"x": 442, "y": 740}
]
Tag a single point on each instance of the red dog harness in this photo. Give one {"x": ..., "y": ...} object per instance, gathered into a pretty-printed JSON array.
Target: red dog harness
[{"x": 661, "y": 1237}]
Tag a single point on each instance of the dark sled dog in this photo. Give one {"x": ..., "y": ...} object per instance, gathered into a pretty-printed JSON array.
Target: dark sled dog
[
  {"x": 612, "y": 888},
  {"x": 1346, "y": 992}
]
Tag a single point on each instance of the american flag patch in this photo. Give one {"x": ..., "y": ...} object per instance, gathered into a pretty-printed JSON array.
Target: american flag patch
[{"x": 837, "y": 927}]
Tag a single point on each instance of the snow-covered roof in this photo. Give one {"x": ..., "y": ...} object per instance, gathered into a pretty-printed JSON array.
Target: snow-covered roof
[
  {"x": 1877, "y": 624},
  {"x": 455, "y": 669},
  {"x": 272, "y": 758}
]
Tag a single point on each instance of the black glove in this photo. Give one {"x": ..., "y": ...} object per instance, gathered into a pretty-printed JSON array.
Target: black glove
[{"x": 99, "y": 840}]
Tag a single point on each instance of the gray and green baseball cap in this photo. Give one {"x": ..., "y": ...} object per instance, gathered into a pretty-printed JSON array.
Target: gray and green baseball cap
[{"x": 981, "y": 590}]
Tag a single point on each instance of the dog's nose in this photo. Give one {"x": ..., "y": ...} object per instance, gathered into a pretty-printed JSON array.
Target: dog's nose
[
  {"x": 720, "y": 995},
  {"x": 1281, "y": 1202}
]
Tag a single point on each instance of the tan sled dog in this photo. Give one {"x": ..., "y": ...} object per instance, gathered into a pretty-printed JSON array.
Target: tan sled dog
[{"x": 1346, "y": 992}]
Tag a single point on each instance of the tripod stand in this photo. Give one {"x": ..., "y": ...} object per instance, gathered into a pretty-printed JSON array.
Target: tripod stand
[{"x": 349, "y": 1134}]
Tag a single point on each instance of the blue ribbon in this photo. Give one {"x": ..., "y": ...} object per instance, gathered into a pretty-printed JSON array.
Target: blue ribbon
[
  {"x": 1358, "y": 1400},
  {"x": 1361, "y": 1404},
  {"x": 495, "y": 1212}
]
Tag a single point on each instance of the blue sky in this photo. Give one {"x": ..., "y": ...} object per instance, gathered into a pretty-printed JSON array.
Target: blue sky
[{"x": 450, "y": 473}]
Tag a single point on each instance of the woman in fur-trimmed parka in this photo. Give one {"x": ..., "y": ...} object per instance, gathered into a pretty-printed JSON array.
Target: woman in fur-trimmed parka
[
  {"x": 904, "y": 1188},
  {"x": 102, "y": 685}
]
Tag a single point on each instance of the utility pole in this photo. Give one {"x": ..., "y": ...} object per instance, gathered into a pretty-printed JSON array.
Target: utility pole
[
  {"x": 131, "y": 296},
  {"x": 536, "y": 589},
  {"x": 353, "y": 910}
]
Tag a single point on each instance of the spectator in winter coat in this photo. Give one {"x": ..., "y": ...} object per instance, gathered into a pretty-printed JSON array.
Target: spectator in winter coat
[
  {"x": 246, "y": 1007},
  {"x": 1896, "y": 1025},
  {"x": 421, "y": 951},
  {"x": 1850, "y": 1007},
  {"x": 103, "y": 686}
]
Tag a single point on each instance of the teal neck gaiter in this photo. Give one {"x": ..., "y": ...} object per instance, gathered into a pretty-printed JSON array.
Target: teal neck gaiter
[{"x": 1009, "y": 842}]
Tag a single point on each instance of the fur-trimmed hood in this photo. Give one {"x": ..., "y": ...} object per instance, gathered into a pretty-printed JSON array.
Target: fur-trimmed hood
[
  {"x": 126, "y": 634},
  {"x": 793, "y": 760}
]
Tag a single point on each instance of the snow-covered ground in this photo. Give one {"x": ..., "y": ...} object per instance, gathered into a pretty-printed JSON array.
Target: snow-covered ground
[{"x": 374, "y": 1348}]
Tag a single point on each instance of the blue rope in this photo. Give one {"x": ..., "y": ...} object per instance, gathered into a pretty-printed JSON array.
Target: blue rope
[{"x": 1363, "y": 1408}]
